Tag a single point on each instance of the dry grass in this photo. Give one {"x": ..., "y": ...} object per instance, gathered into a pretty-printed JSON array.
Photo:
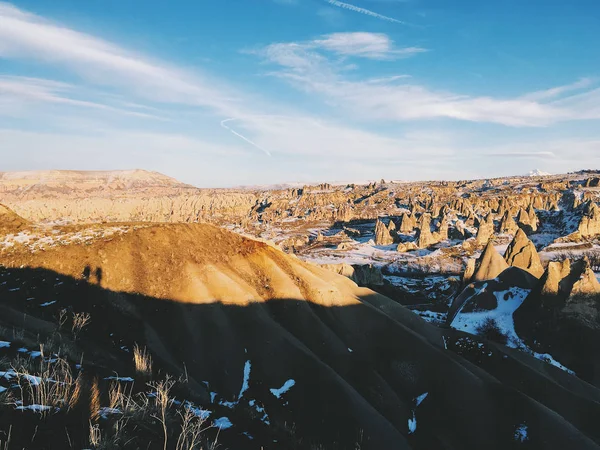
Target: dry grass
[
  {"x": 142, "y": 361},
  {"x": 95, "y": 435},
  {"x": 192, "y": 427},
  {"x": 52, "y": 385},
  {"x": 163, "y": 402},
  {"x": 80, "y": 320},
  {"x": 4, "y": 445}
]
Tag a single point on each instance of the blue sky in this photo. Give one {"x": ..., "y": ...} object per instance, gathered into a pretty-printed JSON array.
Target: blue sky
[{"x": 239, "y": 92}]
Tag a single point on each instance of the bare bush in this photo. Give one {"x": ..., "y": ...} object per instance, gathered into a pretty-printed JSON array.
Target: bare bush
[{"x": 490, "y": 330}]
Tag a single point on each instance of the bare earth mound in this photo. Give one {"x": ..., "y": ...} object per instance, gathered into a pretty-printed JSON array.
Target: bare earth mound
[{"x": 233, "y": 312}]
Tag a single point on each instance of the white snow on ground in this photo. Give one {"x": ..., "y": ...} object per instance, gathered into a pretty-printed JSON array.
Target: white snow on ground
[
  {"x": 48, "y": 303},
  {"x": 521, "y": 433},
  {"x": 283, "y": 389},
  {"x": 223, "y": 423},
  {"x": 412, "y": 422},
  {"x": 508, "y": 302},
  {"x": 36, "y": 242},
  {"x": 35, "y": 408},
  {"x": 431, "y": 316},
  {"x": 4, "y": 344},
  {"x": 247, "y": 367},
  {"x": 128, "y": 379},
  {"x": 2, "y": 389}
]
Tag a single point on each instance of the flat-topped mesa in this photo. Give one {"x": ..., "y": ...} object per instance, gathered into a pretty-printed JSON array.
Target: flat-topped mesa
[
  {"x": 382, "y": 234},
  {"x": 489, "y": 265},
  {"x": 508, "y": 224},
  {"x": 522, "y": 253},
  {"x": 589, "y": 225},
  {"x": 485, "y": 230}
]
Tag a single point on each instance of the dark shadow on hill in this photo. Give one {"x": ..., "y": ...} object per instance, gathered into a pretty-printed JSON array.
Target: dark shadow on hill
[{"x": 368, "y": 376}]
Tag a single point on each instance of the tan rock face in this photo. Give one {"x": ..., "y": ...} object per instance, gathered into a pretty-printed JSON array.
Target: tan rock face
[
  {"x": 363, "y": 275},
  {"x": 590, "y": 221},
  {"x": 469, "y": 270},
  {"x": 407, "y": 223},
  {"x": 489, "y": 265},
  {"x": 382, "y": 234},
  {"x": 406, "y": 247},
  {"x": 508, "y": 224},
  {"x": 485, "y": 230},
  {"x": 424, "y": 235},
  {"x": 522, "y": 253},
  {"x": 10, "y": 222},
  {"x": 556, "y": 272},
  {"x": 586, "y": 283}
]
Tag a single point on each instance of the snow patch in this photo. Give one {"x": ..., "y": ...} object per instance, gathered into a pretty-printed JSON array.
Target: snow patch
[
  {"x": 223, "y": 423},
  {"x": 247, "y": 367},
  {"x": 521, "y": 433},
  {"x": 283, "y": 389}
]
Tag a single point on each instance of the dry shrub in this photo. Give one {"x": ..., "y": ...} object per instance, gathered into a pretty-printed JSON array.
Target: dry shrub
[{"x": 142, "y": 361}]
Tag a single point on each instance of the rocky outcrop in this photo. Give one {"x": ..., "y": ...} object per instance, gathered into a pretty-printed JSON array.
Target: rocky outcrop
[
  {"x": 589, "y": 224},
  {"x": 522, "y": 253},
  {"x": 526, "y": 221},
  {"x": 361, "y": 274},
  {"x": 489, "y": 265},
  {"x": 508, "y": 224},
  {"x": 554, "y": 276},
  {"x": 586, "y": 282},
  {"x": 485, "y": 230},
  {"x": 404, "y": 247},
  {"x": 10, "y": 222},
  {"x": 424, "y": 236},
  {"x": 407, "y": 223},
  {"x": 383, "y": 235}
]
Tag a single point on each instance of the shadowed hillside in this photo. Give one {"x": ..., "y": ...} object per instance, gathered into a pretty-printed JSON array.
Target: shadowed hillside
[{"x": 276, "y": 352}]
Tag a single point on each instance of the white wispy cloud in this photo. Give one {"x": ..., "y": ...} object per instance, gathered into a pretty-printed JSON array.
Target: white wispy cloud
[
  {"x": 560, "y": 90},
  {"x": 23, "y": 90},
  {"x": 360, "y": 10},
  {"x": 27, "y": 36},
  {"x": 363, "y": 44},
  {"x": 309, "y": 68}
]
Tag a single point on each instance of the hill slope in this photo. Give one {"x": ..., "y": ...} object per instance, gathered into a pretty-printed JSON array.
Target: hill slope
[{"x": 330, "y": 363}]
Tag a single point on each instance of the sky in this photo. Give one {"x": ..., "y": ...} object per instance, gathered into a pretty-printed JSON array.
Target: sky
[{"x": 221, "y": 93}]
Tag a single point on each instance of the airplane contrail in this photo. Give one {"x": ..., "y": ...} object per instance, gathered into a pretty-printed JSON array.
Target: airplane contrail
[
  {"x": 363, "y": 11},
  {"x": 223, "y": 122}
]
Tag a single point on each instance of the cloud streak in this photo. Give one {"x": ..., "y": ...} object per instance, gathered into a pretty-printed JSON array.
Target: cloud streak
[
  {"x": 367, "y": 12},
  {"x": 223, "y": 122}
]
